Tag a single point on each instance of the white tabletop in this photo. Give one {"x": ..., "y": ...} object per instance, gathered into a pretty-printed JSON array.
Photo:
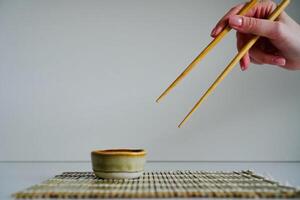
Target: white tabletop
[{"x": 15, "y": 176}]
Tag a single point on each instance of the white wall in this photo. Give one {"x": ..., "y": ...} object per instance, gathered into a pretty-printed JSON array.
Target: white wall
[{"x": 82, "y": 75}]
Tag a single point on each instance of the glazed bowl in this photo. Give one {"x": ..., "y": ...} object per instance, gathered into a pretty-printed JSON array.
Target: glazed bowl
[{"x": 118, "y": 163}]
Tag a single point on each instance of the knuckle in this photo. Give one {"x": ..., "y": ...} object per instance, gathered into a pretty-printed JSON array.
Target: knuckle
[
  {"x": 239, "y": 6},
  {"x": 279, "y": 30},
  {"x": 235, "y": 9},
  {"x": 250, "y": 23},
  {"x": 232, "y": 9}
]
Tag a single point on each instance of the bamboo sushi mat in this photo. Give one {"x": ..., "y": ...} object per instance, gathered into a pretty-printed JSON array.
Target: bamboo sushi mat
[{"x": 169, "y": 184}]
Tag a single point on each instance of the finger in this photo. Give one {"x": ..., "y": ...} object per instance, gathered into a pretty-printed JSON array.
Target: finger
[
  {"x": 241, "y": 41},
  {"x": 245, "y": 62},
  {"x": 224, "y": 20},
  {"x": 261, "y": 27},
  {"x": 265, "y": 58},
  {"x": 262, "y": 9}
]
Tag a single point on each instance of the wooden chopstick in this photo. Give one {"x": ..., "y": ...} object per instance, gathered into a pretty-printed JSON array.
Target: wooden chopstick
[
  {"x": 207, "y": 49},
  {"x": 280, "y": 8}
]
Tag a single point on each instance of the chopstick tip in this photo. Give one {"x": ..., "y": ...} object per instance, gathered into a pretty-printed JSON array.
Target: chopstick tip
[
  {"x": 159, "y": 98},
  {"x": 180, "y": 125}
]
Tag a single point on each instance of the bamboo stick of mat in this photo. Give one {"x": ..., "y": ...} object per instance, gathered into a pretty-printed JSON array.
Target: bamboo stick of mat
[
  {"x": 207, "y": 49},
  {"x": 235, "y": 60}
]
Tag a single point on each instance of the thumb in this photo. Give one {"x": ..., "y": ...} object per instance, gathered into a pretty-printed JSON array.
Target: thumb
[{"x": 255, "y": 26}]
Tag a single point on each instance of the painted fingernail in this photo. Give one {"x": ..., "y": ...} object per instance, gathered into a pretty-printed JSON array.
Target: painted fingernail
[
  {"x": 213, "y": 32},
  {"x": 236, "y": 21},
  {"x": 243, "y": 67},
  {"x": 280, "y": 61},
  {"x": 242, "y": 64},
  {"x": 218, "y": 30}
]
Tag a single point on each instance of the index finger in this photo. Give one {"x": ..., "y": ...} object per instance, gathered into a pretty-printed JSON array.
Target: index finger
[{"x": 224, "y": 20}]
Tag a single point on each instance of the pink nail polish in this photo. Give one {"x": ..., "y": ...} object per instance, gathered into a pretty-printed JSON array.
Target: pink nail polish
[
  {"x": 213, "y": 32},
  {"x": 243, "y": 68},
  {"x": 280, "y": 61},
  {"x": 218, "y": 30}
]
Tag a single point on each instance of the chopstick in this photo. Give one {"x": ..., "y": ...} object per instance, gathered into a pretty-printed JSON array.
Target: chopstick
[
  {"x": 207, "y": 49},
  {"x": 280, "y": 8}
]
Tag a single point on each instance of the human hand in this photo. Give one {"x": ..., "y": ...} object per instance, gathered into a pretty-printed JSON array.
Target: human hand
[{"x": 280, "y": 40}]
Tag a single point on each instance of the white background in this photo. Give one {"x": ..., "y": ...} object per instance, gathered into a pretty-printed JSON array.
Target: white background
[{"x": 82, "y": 75}]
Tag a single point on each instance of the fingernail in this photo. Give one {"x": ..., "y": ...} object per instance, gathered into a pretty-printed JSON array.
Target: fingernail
[
  {"x": 213, "y": 32},
  {"x": 236, "y": 21},
  {"x": 243, "y": 67},
  {"x": 218, "y": 31},
  {"x": 280, "y": 61}
]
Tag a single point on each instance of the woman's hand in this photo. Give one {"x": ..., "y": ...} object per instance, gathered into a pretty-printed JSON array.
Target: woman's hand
[{"x": 280, "y": 40}]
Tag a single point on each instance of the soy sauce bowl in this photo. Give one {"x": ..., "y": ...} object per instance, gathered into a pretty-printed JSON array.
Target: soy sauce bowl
[{"x": 118, "y": 163}]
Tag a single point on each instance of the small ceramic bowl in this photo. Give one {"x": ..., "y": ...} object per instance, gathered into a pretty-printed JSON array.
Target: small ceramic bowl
[{"x": 118, "y": 163}]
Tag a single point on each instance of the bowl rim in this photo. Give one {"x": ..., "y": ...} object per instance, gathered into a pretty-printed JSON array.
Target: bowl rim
[{"x": 121, "y": 152}]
